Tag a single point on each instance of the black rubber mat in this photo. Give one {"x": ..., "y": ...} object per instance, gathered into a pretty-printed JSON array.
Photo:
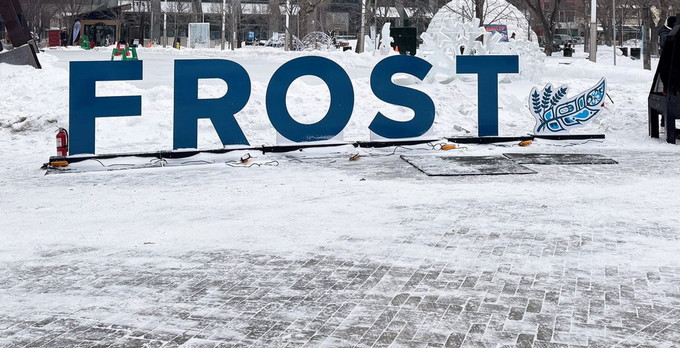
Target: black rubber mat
[
  {"x": 558, "y": 158},
  {"x": 466, "y": 165}
]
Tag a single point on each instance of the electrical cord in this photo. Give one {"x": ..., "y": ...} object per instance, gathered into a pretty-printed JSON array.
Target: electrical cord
[
  {"x": 244, "y": 162},
  {"x": 581, "y": 143},
  {"x": 112, "y": 165},
  {"x": 238, "y": 164},
  {"x": 197, "y": 162}
]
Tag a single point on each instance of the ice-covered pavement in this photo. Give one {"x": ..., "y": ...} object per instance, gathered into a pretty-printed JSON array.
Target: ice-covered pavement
[
  {"x": 320, "y": 250},
  {"x": 313, "y": 249}
]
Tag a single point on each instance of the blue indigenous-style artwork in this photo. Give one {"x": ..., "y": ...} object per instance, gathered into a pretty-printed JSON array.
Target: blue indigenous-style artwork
[{"x": 554, "y": 114}]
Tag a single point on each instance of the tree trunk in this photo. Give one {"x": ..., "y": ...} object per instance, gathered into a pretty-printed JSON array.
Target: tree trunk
[
  {"x": 157, "y": 18},
  {"x": 479, "y": 10},
  {"x": 547, "y": 20},
  {"x": 197, "y": 10},
  {"x": 274, "y": 17},
  {"x": 548, "y": 35},
  {"x": 648, "y": 23},
  {"x": 141, "y": 29}
]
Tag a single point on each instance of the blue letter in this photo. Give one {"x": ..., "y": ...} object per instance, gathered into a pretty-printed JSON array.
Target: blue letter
[
  {"x": 84, "y": 106},
  {"x": 339, "y": 86},
  {"x": 188, "y": 108},
  {"x": 385, "y": 90},
  {"x": 487, "y": 68}
]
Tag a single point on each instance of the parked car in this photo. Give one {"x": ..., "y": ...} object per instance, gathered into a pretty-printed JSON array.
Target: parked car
[
  {"x": 562, "y": 39},
  {"x": 579, "y": 40}
]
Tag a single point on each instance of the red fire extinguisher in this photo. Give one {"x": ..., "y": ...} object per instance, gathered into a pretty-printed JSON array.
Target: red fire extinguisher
[{"x": 62, "y": 142}]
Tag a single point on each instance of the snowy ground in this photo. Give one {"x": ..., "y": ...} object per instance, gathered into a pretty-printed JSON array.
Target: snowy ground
[{"x": 311, "y": 248}]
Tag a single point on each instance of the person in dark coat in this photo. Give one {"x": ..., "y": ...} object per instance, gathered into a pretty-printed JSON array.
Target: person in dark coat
[{"x": 663, "y": 32}]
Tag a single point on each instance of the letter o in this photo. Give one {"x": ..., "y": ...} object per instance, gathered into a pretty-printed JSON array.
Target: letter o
[{"x": 341, "y": 106}]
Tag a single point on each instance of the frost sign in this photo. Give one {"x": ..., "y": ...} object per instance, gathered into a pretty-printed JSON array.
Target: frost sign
[
  {"x": 85, "y": 106},
  {"x": 554, "y": 114}
]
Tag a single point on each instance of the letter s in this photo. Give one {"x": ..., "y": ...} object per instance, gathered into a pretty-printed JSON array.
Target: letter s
[{"x": 385, "y": 90}]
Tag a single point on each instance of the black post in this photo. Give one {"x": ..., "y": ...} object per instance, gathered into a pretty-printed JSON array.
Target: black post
[
  {"x": 18, "y": 34},
  {"x": 25, "y": 50}
]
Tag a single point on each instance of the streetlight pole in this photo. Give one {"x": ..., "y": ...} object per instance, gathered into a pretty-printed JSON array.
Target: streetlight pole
[
  {"x": 593, "y": 32},
  {"x": 362, "y": 32},
  {"x": 224, "y": 22},
  {"x": 287, "y": 33},
  {"x": 614, "y": 28},
  {"x": 234, "y": 4}
]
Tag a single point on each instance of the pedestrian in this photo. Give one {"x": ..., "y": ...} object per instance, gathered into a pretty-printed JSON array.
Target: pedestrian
[{"x": 663, "y": 32}]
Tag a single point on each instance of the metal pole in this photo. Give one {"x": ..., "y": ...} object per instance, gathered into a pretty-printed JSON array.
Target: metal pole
[
  {"x": 362, "y": 32},
  {"x": 165, "y": 29},
  {"x": 614, "y": 27},
  {"x": 224, "y": 22},
  {"x": 642, "y": 47},
  {"x": 233, "y": 24},
  {"x": 287, "y": 33},
  {"x": 165, "y": 24},
  {"x": 593, "y": 32}
]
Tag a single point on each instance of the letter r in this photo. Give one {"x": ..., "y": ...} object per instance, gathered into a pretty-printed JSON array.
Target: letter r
[{"x": 220, "y": 111}]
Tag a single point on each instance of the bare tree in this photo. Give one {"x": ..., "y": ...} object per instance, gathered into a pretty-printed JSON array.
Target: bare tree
[
  {"x": 33, "y": 14},
  {"x": 310, "y": 14},
  {"x": 547, "y": 18},
  {"x": 487, "y": 11},
  {"x": 644, "y": 7},
  {"x": 68, "y": 10},
  {"x": 141, "y": 7},
  {"x": 197, "y": 10},
  {"x": 156, "y": 20},
  {"x": 479, "y": 10},
  {"x": 180, "y": 14},
  {"x": 604, "y": 18},
  {"x": 274, "y": 17},
  {"x": 376, "y": 14}
]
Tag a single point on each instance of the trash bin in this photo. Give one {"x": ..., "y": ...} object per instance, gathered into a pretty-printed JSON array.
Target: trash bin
[
  {"x": 624, "y": 50},
  {"x": 54, "y": 37},
  {"x": 568, "y": 50},
  {"x": 635, "y": 52}
]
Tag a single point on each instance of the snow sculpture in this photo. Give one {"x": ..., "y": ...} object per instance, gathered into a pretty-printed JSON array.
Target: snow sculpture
[
  {"x": 450, "y": 34},
  {"x": 442, "y": 46},
  {"x": 495, "y": 11},
  {"x": 318, "y": 40},
  {"x": 386, "y": 40},
  {"x": 199, "y": 35},
  {"x": 280, "y": 41},
  {"x": 369, "y": 44},
  {"x": 554, "y": 115}
]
